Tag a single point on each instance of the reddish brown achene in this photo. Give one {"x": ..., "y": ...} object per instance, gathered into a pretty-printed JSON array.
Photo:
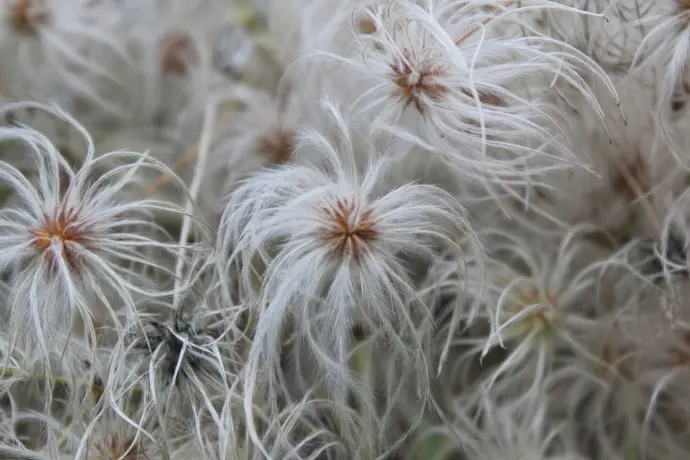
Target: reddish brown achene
[
  {"x": 413, "y": 83},
  {"x": 61, "y": 228},
  {"x": 350, "y": 231},
  {"x": 28, "y": 15}
]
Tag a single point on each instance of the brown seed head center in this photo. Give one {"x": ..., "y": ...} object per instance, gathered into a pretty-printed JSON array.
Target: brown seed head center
[
  {"x": 414, "y": 83},
  {"x": 62, "y": 229},
  {"x": 350, "y": 230},
  {"x": 177, "y": 52},
  {"x": 277, "y": 145},
  {"x": 631, "y": 180},
  {"x": 121, "y": 451},
  {"x": 27, "y": 16},
  {"x": 543, "y": 317}
]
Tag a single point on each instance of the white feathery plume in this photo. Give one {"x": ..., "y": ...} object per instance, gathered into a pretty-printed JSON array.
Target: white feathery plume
[
  {"x": 180, "y": 362},
  {"x": 172, "y": 147},
  {"x": 631, "y": 161},
  {"x": 611, "y": 34},
  {"x": 497, "y": 433},
  {"x": 476, "y": 245},
  {"x": 331, "y": 254},
  {"x": 617, "y": 388},
  {"x": 75, "y": 249},
  {"x": 217, "y": 432},
  {"x": 451, "y": 77}
]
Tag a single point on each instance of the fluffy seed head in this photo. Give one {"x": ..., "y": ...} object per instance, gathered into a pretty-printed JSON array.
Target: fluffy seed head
[
  {"x": 173, "y": 346},
  {"x": 476, "y": 83},
  {"x": 326, "y": 239},
  {"x": 74, "y": 243},
  {"x": 177, "y": 52}
]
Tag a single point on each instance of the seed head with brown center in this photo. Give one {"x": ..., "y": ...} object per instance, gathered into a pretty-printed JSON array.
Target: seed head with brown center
[{"x": 349, "y": 229}]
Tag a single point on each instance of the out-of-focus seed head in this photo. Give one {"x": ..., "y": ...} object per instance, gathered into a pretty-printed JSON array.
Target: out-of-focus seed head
[
  {"x": 27, "y": 16},
  {"x": 177, "y": 52},
  {"x": 278, "y": 145}
]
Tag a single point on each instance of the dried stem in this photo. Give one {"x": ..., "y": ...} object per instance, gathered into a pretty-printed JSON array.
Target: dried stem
[
  {"x": 463, "y": 36},
  {"x": 200, "y": 168},
  {"x": 177, "y": 167}
]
